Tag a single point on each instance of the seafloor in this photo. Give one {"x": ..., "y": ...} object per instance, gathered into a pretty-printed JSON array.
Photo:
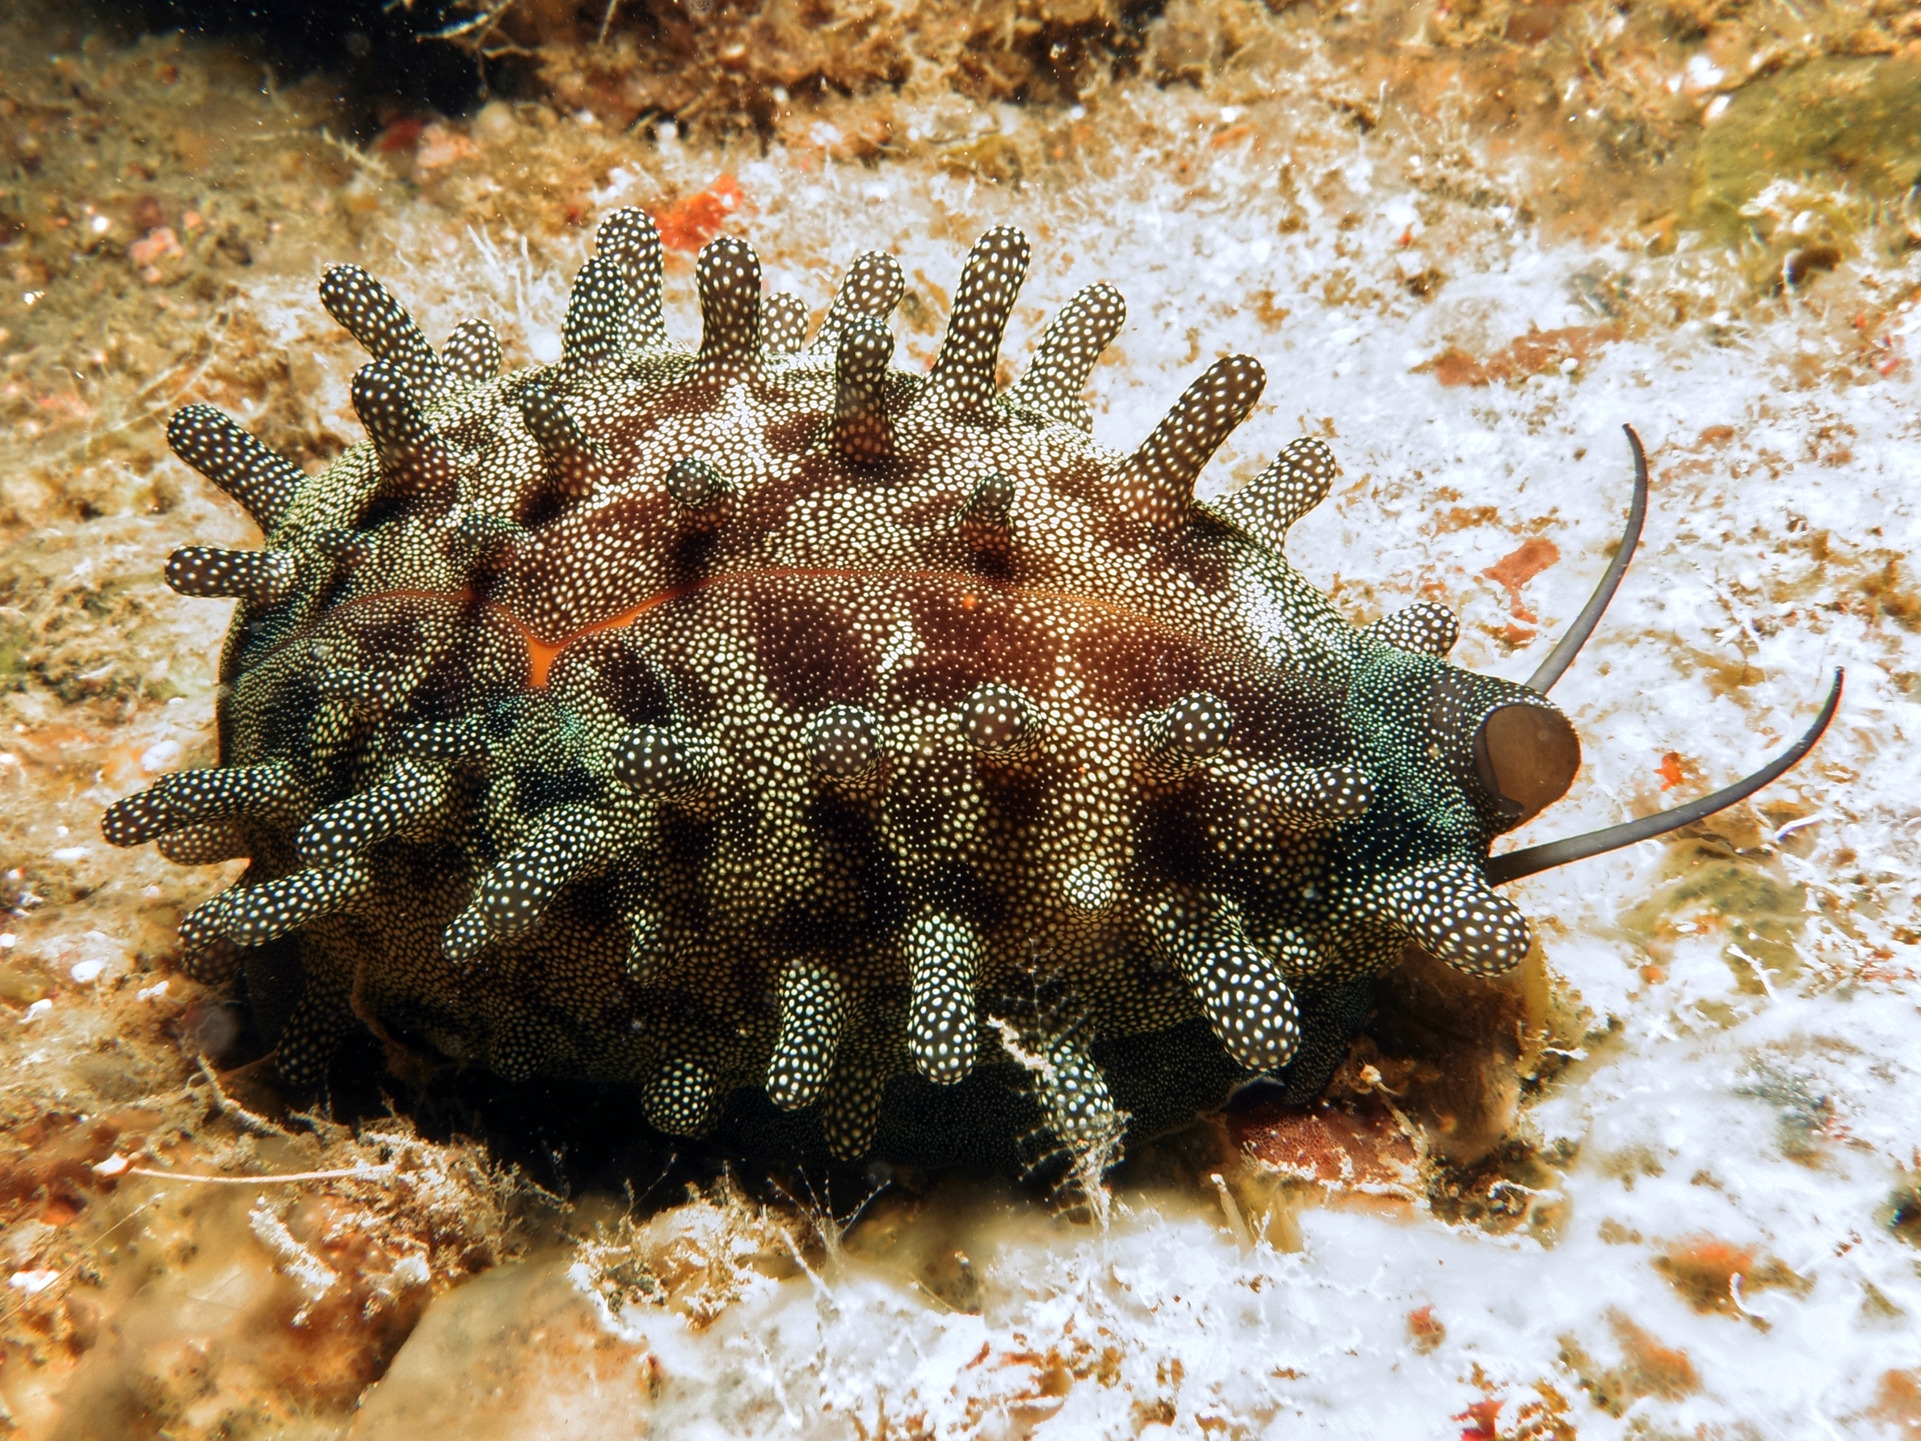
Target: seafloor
[{"x": 1662, "y": 1185}]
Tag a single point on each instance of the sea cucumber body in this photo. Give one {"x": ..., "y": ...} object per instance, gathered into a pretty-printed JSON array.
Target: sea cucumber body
[{"x": 791, "y": 737}]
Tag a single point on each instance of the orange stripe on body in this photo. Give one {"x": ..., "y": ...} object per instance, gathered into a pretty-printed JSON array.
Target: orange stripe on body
[{"x": 542, "y": 652}]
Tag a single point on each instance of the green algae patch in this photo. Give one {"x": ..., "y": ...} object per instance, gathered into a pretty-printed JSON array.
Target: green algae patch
[
  {"x": 1756, "y": 915},
  {"x": 1803, "y": 162}
]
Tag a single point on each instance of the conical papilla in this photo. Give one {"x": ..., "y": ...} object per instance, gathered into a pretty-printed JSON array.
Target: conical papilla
[
  {"x": 472, "y": 352},
  {"x": 813, "y": 1014},
  {"x": 572, "y": 841},
  {"x": 986, "y": 518},
  {"x": 943, "y": 957},
  {"x": 599, "y": 314},
  {"x": 571, "y": 463},
  {"x": 679, "y": 1099},
  {"x": 263, "y": 482},
  {"x": 415, "y": 464},
  {"x": 189, "y": 797},
  {"x": 783, "y": 324},
  {"x": 1295, "y": 481},
  {"x": 1448, "y": 909},
  {"x": 870, "y": 290},
  {"x": 728, "y": 277},
  {"x": 962, "y": 383},
  {"x": 1068, "y": 352},
  {"x": 1240, "y": 989},
  {"x": 1156, "y": 483},
  {"x": 368, "y": 312},
  {"x": 1423, "y": 628},
  {"x": 862, "y": 431},
  {"x": 629, "y": 238},
  {"x": 260, "y": 577}
]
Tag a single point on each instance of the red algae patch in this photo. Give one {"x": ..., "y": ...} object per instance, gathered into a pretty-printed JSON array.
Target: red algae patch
[
  {"x": 1648, "y": 1368},
  {"x": 693, "y": 220},
  {"x": 1368, "y": 1149},
  {"x": 1425, "y": 1331},
  {"x": 1484, "y": 1420},
  {"x": 1540, "y": 1416},
  {"x": 1713, "y": 1275},
  {"x": 1539, "y": 352},
  {"x": 1516, "y": 569},
  {"x": 1897, "y": 1403}
]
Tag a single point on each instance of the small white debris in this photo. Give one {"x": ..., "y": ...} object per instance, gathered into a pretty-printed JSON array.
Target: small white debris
[
  {"x": 306, "y": 1270},
  {"x": 8, "y": 941},
  {"x": 36, "y": 1011},
  {"x": 151, "y": 993},
  {"x": 160, "y": 756},
  {"x": 85, "y": 973},
  {"x": 32, "y": 1282},
  {"x": 70, "y": 853},
  {"x": 114, "y": 1165},
  {"x": 1701, "y": 73}
]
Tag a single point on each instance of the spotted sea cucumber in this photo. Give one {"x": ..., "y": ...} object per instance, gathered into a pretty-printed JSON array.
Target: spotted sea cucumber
[{"x": 790, "y": 736}]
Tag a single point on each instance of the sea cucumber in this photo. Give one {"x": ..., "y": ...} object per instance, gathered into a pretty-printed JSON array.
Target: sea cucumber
[{"x": 791, "y": 736}]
